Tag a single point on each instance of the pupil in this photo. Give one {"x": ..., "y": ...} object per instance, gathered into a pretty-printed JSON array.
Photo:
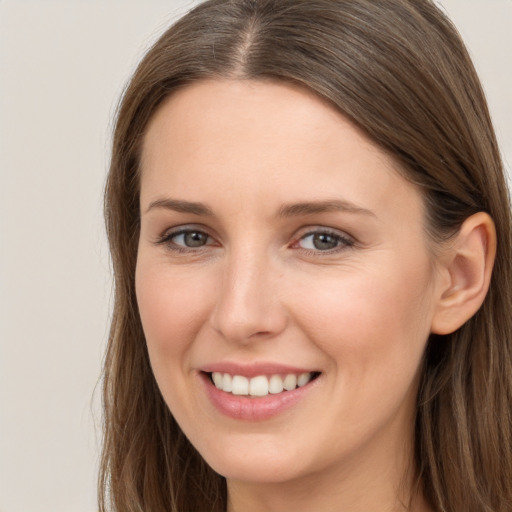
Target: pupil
[
  {"x": 324, "y": 242},
  {"x": 195, "y": 239}
]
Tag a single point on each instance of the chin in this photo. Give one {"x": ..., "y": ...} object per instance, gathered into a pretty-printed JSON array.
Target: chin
[
  {"x": 263, "y": 473},
  {"x": 257, "y": 465}
]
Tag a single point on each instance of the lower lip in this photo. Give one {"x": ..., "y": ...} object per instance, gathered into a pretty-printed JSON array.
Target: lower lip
[{"x": 254, "y": 408}]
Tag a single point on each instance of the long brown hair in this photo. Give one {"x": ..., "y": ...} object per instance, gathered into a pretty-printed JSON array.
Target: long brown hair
[{"x": 399, "y": 70}]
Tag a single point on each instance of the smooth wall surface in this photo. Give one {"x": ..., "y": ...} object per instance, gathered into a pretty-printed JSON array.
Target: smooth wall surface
[{"x": 63, "y": 65}]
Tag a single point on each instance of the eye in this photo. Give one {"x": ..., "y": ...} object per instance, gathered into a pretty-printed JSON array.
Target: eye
[
  {"x": 186, "y": 239},
  {"x": 190, "y": 239},
  {"x": 324, "y": 241}
]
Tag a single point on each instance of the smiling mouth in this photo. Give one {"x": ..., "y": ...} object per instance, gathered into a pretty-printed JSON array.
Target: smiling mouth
[{"x": 261, "y": 385}]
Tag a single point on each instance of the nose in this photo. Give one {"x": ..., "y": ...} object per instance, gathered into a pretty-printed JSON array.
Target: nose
[{"x": 249, "y": 305}]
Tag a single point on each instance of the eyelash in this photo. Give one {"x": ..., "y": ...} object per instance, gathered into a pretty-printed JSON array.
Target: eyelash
[
  {"x": 167, "y": 240},
  {"x": 343, "y": 241}
]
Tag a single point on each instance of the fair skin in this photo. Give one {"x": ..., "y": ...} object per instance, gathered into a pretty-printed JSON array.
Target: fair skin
[{"x": 276, "y": 238}]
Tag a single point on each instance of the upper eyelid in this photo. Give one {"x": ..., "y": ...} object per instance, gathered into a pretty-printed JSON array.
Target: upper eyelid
[
  {"x": 184, "y": 228},
  {"x": 312, "y": 230}
]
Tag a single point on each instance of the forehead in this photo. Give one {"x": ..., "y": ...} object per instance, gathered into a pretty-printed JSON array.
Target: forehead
[
  {"x": 262, "y": 141},
  {"x": 260, "y": 113}
]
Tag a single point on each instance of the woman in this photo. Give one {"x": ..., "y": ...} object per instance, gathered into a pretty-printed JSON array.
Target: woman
[{"x": 310, "y": 233}]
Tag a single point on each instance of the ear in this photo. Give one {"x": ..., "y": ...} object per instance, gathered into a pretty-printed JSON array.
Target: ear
[{"x": 467, "y": 263}]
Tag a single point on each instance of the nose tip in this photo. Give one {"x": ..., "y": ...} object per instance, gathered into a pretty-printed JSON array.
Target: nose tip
[
  {"x": 248, "y": 307},
  {"x": 243, "y": 330}
]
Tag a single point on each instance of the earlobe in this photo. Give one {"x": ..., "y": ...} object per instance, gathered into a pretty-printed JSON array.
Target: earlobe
[{"x": 468, "y": 263}]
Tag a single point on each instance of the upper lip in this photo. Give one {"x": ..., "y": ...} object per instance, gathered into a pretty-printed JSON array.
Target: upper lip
[{"x": 254, "y": 369}]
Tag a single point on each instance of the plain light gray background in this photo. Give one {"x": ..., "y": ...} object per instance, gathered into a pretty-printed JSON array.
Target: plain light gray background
[{"x": 63, "y": 65}]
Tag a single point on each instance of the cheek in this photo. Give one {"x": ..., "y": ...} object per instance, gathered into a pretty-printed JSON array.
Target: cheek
[
  {"x": 173, "y": 306},
  {"x": 373, "y": 328},
  {"x": 367, "y": 320}
]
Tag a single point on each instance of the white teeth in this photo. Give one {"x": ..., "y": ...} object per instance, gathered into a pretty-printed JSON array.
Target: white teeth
[
  {"x": 217, "y": 379},
  {"x": 303, "y": 379},
  {"x": 227, "y": 383},
  {"x": 260, "y": 385},
  {"x": 240, "y": 385},
  {"x": 290, "y": 382},
  {"x": 275, "y": 384}
]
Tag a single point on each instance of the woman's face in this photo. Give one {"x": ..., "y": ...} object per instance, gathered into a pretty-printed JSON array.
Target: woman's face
[{"x": 279, "y": 244}]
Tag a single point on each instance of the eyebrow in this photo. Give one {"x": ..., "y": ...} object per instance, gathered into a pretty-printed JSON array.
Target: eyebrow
[
  {"x": 181, "y": 207},
  {"x": 315, "y": 207},
  {"x": 286, "y": 211}
]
